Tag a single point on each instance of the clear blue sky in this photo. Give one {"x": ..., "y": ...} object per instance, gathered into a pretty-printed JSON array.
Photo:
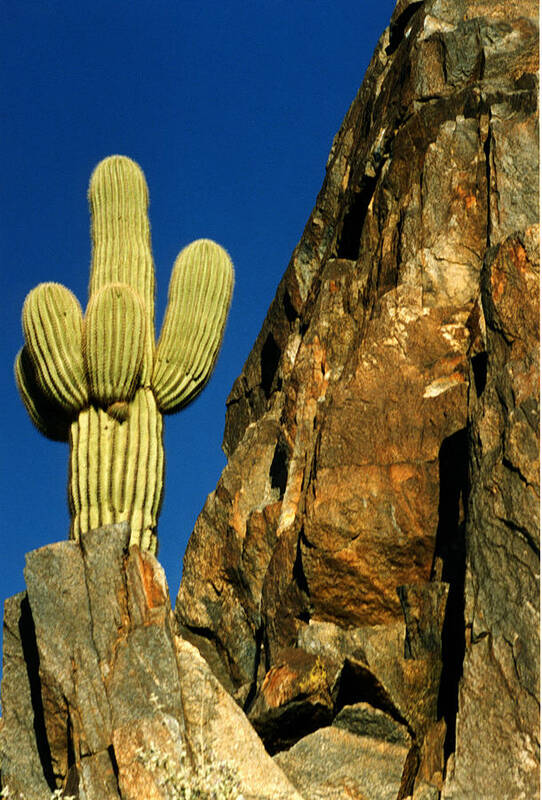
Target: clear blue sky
[{"x": 230, "y": 108}]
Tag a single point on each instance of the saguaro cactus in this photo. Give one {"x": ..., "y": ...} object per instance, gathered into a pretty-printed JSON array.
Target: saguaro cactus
[{"x": 99, "y": 381}]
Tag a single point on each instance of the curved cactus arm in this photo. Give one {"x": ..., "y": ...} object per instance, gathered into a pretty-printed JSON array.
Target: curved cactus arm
[
  {"x": 49, "y": 419},
  {"x": 53, "y": 330},
  {"x": 121, "y": 240},
  {"x": 198, "y": 301},
  {"x": 114, "y": 343}
]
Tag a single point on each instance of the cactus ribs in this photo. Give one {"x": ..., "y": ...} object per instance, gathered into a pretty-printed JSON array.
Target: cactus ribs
[{"x": 99, "y": 381}]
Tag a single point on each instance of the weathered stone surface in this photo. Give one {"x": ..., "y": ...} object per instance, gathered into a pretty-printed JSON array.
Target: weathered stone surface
[
  {"x": 364, "y": 453},
  {"x": 426, "y": 792},
  {"x": 21, "y": 706},
  {"x": 431, "y": 764},
  {"x": 101, "y": 697},
  {"x": 499, "y": 691},
  {"x": 212, "y": 715},
  {"x": 424, "y": 607},
  {"x": 294, "y": 698},
  {"x": 333, "y": 764},
  {"x": 135, "y": 743},
  {"x": 364, "y": 720},
  {"x": 371, "y": 667}
]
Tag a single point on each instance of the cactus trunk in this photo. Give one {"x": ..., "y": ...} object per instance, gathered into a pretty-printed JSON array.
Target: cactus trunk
[{"x": 127, "y": 483}]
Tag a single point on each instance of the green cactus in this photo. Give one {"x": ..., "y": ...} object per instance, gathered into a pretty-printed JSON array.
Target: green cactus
[{"x": 99, "y": 381}]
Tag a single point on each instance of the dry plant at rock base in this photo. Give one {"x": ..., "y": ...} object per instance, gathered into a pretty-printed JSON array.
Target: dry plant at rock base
[
  {"x": 6, "y": 794},
  {"x": 209, "y": 780}
]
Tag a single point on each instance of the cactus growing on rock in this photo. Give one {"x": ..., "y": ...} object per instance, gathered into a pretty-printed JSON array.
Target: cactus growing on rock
[{"x": 98, "y": 380}]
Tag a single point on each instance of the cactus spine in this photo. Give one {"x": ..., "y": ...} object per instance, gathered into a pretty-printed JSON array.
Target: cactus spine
[{"x": 99, "y": 381}]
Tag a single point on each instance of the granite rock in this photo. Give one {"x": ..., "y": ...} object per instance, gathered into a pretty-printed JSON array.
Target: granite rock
[
  {"x": 332, "y": 764},
  {"x": 101, "y": 696},
  {"x": 383, "y": 432},
  {"x": 500, "y": 689}
]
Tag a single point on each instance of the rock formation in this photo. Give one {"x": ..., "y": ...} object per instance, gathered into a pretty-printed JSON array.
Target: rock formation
[
  {"x": 363, "y": 581},
  {"x": 100, "y": 695},
  {"x": 373, "y": 540}
]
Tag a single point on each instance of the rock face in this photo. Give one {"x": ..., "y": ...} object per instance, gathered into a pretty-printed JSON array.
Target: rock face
[
  {"x": 374, "y": 537},
  {"x": 102, "y": 699},
  {"x": 499, "y": 691},
  {"x": 363, "y": 582}
]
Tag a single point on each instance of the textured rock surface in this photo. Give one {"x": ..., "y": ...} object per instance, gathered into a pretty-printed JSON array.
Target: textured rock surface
[
  {"x": 499, "y": 693},
  {"x": 383, "y": 432},
  {"x": 333, "y": 763},
  {"x": 97, "y": 683}
]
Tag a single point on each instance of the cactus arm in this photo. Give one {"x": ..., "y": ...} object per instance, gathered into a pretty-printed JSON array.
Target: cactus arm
[
  {"x": 199, "y": 298},
  {"x": 49, "y": 418},
  {"x": 52, "y": 326},
  {"x": 114, "y": 344},
  {"x": 121, "y": 240}
]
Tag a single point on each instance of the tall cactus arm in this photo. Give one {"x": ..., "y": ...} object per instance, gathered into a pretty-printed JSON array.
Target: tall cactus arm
[
  {"x": 199, "y": 297},
  {"x": 49, "y": 418},
  {"x": 121, "y": 239},
  {"x": 114, "y": 343},
  {"x": 53, "y": 330}
]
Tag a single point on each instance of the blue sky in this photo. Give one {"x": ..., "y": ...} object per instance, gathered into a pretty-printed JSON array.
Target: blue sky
[{"x": 230, "y": 108}]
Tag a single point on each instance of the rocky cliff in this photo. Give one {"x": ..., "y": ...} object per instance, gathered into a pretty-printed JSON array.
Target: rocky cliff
[
  {"x": 372, "y": 545},
  {"x": 363, "y": 582}
]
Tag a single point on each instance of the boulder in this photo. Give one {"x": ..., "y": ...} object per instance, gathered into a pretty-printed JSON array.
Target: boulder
[{"x": 103, "y": 698}]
